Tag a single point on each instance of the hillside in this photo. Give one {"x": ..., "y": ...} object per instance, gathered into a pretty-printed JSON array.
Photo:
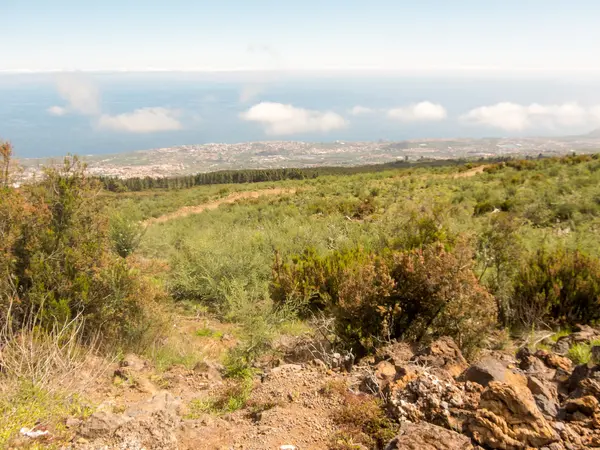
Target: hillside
[{"x": 424, "y": 307}]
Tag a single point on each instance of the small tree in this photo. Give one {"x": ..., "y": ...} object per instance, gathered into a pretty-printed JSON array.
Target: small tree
[
  {"x": 498, "y": 248},
  {"x": 6, "y": 152}
]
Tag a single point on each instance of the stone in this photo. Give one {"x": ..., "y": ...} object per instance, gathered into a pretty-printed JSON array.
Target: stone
[
  {"x": 102, "y": 423},
  {"x": 211, "y": 371},
  {"x": 397, "y": 353},
  {"x": 583, "y": 333},
  {"x": 554, "y": 361},
  {"x": 491, "y": 369},
  {"x": 385, "y": 371},
  {"x": 133, "y": 363},
  {"x": 537, "y": 387},
  {"x": 585, "y": 405},
  {"x": 443, "y": 354},
  {"x": 596, "y": 354},
  {"x": 508, "y": 418},
  {"x": 547, "y": 406},
  {"x": 562, "y": 346},
  {"x": 426, "y": 436}
]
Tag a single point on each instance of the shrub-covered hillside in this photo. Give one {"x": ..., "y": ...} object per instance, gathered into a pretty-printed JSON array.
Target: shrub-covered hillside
[{"x": 221, "y": 282}]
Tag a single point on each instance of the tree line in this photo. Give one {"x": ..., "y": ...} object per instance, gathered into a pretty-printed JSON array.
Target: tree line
[{"x": 134, "y": 184}]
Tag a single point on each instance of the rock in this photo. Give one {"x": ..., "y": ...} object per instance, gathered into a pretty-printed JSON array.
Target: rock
[
  {"x": 211, "y": 371},
  {"x": 491, "y": 369},
  {"x": 102, "y": 423},
  {"x": 150, "y": 424},
  {"x": 429, "y": 398},
  {"x": 425, "y": 436},
  {"x": 397, "y": 353},
  {"x": 443, "y": 354},
  {"x": 554, "y": 361},
  {"x": 596, "y": 354},
  {"x": 133, "y": 363},
  {"x": 508, "y": 418},
  {"x": 585, "y": 405},
  {"x": 579, "y": 374},
  {"x": 583, "y": 333},
  {"x": 73, "y": 423},
  {"x": 537, "y": 387},
  {"x": 286, "y": 368},
  {"x": 547, "y": 406},
  {"x": 562, "y": 346},
  {"x": 385, "y": 371}
]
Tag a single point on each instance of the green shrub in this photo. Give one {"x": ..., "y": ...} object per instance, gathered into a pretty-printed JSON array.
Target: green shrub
[
  {"x": 125, "y": 234},
  {"x": 428, "y": 292},
  {"x": 362, "y": 423},
  {"x": 561, "y": 287},
  {"x": 57, "y": 262}
]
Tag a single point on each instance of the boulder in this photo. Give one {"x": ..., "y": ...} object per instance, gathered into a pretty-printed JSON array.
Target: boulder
[
  {"x": 490, "y": 369},
  {"x": 508, "y": 418},
  {"x": 425, "y": 436},
  {"x": 443, "y": 354}
]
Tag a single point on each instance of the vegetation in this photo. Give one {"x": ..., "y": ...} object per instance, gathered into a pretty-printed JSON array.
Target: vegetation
[{"x": 383, "y": 253}]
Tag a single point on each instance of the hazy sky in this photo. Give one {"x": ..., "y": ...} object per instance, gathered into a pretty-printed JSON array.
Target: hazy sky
[{"x": 537, "y": 35}]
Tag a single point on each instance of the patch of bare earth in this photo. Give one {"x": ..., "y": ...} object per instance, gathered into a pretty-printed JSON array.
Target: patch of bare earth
[{"x": 231, "y": 198}]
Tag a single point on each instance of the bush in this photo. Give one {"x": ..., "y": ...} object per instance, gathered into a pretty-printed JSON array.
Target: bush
[
  {"x": 415, "y": 294},
  {"x": 560, "y": 287},
  {"x": 125, "y": 234},
  {"x": 362, "y": 423},
  {"x": 57, "y": 262}
]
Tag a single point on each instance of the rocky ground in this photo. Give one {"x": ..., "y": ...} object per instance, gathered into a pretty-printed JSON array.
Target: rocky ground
[{"x": 534, "y": 399}]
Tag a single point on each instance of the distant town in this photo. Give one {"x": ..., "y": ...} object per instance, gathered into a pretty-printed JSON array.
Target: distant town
[{"x": 189, "y": 159}]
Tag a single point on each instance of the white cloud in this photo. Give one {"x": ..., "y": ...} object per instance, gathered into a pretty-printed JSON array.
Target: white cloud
[
  {"x": 515, "y": 117},
  {"x": 145, "y": 120},
  {"x": 280, "y": 119},
  {"x": 419, "y": 112},
  {"x": 57, "y": 111},
  {"x": 361, "y": 110},
  {"x": 81, "y": 94}
]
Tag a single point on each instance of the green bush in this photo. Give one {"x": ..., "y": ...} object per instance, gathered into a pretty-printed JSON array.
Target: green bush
[
  {"x": 125, "y": 234},
  {"x": 57, "y": 262},
  {"x": 416, "y": 294},
  {"x": 561, "y": 287}
]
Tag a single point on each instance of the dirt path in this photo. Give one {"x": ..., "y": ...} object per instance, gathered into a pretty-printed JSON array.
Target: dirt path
[
  {"x": 471, "y": 172},
  {"x": 214, "y": 204}
]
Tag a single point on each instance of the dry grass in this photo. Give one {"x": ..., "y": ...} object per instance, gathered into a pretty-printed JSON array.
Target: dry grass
[{"x": 43, "y": 376}]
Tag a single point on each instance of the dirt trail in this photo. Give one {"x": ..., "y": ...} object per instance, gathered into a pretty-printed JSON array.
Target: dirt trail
[
  {"x": 214, "y": 204},
  {"x": 470, "y": 172}
]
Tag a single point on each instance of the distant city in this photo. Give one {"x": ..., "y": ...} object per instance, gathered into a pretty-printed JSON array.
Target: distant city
[{"x": 190, "y": 159}]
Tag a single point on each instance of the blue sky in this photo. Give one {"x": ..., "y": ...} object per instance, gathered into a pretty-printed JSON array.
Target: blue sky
[{"x": 429, "y": 35}]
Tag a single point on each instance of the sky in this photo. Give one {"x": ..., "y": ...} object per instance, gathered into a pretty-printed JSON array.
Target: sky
[{"x": 295, "y": 35}]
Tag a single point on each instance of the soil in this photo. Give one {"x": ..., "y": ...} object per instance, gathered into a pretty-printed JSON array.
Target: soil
[{"x": 214, "y": 204}]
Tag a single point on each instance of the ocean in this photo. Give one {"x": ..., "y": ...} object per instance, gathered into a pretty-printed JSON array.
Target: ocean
[{"x": 208, "y": 108}]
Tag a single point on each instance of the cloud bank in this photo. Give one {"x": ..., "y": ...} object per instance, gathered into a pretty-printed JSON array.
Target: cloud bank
[
  {"x": 144, "y": 120},
  {"x": 280, "y": 119},
  {"x": 419, "y": 112},
  {"x": 509, "y": 116}
]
